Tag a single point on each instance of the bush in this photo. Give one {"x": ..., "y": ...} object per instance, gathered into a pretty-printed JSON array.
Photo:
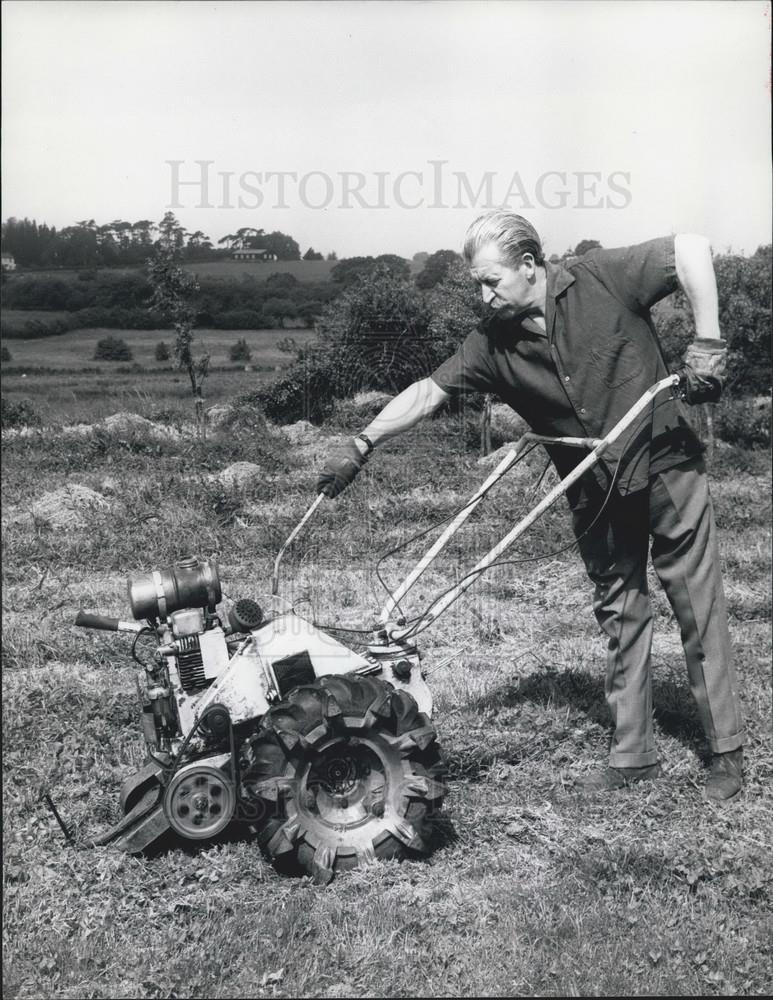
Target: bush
[
  {"x": 17, "y": 413},
  {"x": 162, "y": 351},
  {"x": 302, "y": 393},
  {"x": 32, "y": 329},
  {"x": 240, "y": 351},
  {"x": 744, "y": 421},
  {"x": 238, "y": 319},
  {"x": 112, "y": 349},
  {"x": 5, "y": 354}
]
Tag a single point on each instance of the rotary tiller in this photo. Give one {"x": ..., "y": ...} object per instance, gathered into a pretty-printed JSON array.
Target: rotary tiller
[{"x": 327, "y": 753}]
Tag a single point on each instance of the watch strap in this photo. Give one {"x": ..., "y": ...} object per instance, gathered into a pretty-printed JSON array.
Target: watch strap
[{"x": 367, "y": 441}]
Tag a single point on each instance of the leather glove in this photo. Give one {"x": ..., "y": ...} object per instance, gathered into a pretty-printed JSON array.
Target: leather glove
[
  {"x": 340, "y": 470},
  {"x": 704, "y": 365},
  {"x": 694, "y": 388},
  {"x": 707, "y": 357}
]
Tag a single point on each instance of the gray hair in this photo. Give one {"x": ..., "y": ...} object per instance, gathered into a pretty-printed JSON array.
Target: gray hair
[{"x": 510, "y": 232}]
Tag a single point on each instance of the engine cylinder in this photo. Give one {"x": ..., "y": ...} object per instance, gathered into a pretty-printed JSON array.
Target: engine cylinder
[{"x": 189, "y": 583}]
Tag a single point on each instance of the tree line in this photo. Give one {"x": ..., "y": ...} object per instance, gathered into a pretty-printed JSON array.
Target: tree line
[{"x": 87, "y": 244}]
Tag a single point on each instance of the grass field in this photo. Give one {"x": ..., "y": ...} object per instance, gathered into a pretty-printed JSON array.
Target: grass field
[
  {"x": 75, "y": 388},
  {"x": 531, "y": 889},
  {"x": 303, "y": 270}
]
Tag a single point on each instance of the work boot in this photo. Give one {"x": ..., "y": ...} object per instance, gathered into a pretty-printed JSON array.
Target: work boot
[
  {"x": 725, "y": 779},
  {"x": 613, "y": 778}
]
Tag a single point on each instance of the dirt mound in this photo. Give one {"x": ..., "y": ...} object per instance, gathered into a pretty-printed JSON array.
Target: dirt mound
[
  {"x": 70, "y": 506},
  {"x": 121, "y": 423},
  {"x": 240, "y": 474},
  {"x": 506, "y": 423},
  {"x": 227, "y": 416},
  {"x": 301, "y": 432},
  {"x": 132, "y": 423}
]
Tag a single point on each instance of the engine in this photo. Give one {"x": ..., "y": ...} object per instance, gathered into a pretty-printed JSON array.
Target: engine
[{"x": 179, "y": 604}]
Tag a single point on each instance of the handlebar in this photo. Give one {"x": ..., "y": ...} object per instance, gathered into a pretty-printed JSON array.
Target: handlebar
[
  {"x": 695, "y": 389},
  {"x": 85, "y": 619}
]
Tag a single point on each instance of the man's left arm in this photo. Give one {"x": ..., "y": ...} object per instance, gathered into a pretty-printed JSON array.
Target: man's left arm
[{"x": 707, "y": 355}]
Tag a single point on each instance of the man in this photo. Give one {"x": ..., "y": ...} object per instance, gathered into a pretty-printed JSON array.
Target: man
[{"x": 571, "y": 348}]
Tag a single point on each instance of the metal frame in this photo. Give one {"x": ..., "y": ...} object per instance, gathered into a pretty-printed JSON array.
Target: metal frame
[
  {"x": 397, "y": 631},
  {"x": 394, "y": 631}
]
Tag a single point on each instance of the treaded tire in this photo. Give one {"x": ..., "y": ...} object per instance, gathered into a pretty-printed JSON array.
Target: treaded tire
[{"x": 342, "y": 773}]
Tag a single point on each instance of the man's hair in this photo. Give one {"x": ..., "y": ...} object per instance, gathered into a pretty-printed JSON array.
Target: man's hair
[{"x": 510, "y": 232}]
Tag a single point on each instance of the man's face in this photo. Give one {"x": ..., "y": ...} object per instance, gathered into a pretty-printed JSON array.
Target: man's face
[{"x": 507, "y": 290}]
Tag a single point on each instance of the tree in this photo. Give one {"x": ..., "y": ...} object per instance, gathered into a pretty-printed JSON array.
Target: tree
[
  {"x": 311, "y": 254},
  {"x": 171, "y": 233},
  {"x": 281, "y": 246},
  {"x": 585, "y": 245},
  {"x": 435, "y": 268},
  {"x": 174, "y": 292},
  {"x": 281, "y": 283},
  {"x": 455, "y": 307},
  {"x": 376, "y": 334},
  {"x": 162, "y": 351},
  {"x": 352, "y": 269}
]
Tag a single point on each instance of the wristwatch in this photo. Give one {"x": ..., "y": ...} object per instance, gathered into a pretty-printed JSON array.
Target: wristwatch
[{"x": 366, "y": 441}]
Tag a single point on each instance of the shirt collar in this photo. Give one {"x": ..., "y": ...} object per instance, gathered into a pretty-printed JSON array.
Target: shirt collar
[{"x": 558, "y": 279}]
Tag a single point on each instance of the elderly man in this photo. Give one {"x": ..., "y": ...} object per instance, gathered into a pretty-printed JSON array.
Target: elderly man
[{"x": 571, "y": 348}]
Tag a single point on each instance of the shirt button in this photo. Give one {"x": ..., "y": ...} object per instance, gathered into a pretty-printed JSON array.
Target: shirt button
[
  {"x": 566, "y": 378},
  {"x": 582, "y": 409}
]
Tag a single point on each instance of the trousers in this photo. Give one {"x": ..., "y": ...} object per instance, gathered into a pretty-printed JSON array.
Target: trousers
[{"x": 676, "y": 513}]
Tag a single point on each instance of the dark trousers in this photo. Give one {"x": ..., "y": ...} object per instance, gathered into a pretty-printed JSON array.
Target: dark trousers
[{"x": 676, "y": 513}]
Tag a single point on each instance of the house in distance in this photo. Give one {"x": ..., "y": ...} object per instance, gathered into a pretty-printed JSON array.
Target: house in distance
[{"x": 252, "y": 254}]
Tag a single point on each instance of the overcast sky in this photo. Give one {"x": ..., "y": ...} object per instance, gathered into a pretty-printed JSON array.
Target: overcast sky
[{"x": 369, "y": 128}]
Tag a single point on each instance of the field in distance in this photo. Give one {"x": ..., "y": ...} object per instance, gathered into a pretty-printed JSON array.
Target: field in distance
[
  {"x": 232, "y": 270},
  {"x": 65, "y": 384}
]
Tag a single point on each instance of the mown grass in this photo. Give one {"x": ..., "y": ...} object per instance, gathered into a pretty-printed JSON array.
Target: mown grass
[{"x": 530, "y": 890}]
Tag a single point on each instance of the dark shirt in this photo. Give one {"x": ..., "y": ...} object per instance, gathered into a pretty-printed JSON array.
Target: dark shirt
[{"x": 597, "y": 357}]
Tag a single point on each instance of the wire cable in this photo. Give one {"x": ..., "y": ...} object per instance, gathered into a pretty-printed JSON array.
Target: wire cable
[
  {"x": 472, "y": 574},
  {"x": 446, "y": 520}
]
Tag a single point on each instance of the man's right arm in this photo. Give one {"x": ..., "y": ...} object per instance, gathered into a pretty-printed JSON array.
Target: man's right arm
[
  {"x": 404, "y": 411},
  {"x": 410, "y": 406}
]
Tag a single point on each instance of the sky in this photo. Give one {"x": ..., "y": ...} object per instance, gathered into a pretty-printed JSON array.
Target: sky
[{"x": 367, "y": 127}]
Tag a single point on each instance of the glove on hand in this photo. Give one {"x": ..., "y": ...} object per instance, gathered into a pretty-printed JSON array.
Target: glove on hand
[
  {"x": 695, "y": 388},
  {"x": 340, "y": 470},
  {"x": 707, "y": 357}
]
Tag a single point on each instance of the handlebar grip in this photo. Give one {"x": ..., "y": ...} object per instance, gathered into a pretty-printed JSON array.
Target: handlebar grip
[
  {"x": 708, "y": 391},
  {"x": 86, "y": 620}
]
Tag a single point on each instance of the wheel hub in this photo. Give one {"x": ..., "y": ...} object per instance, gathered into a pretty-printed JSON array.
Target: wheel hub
[
  {"x": 345, "y": 784},
  {"x": 199, "y": 801}
]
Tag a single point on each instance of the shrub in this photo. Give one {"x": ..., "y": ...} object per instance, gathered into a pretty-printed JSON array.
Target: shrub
[
  {"x": 17, "y": 413},
  {"x": 303, "y": 392},
  {"x": 240, "y": 351},
  {"x": 162, "y": 351},
  {"x": 238, "y": 319},
  {"x": 32, "y": 329},
  {"x": 112, "y": 349},
  {"x": 5, "y": 354},
  {"x": 744, "y": 421}
]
